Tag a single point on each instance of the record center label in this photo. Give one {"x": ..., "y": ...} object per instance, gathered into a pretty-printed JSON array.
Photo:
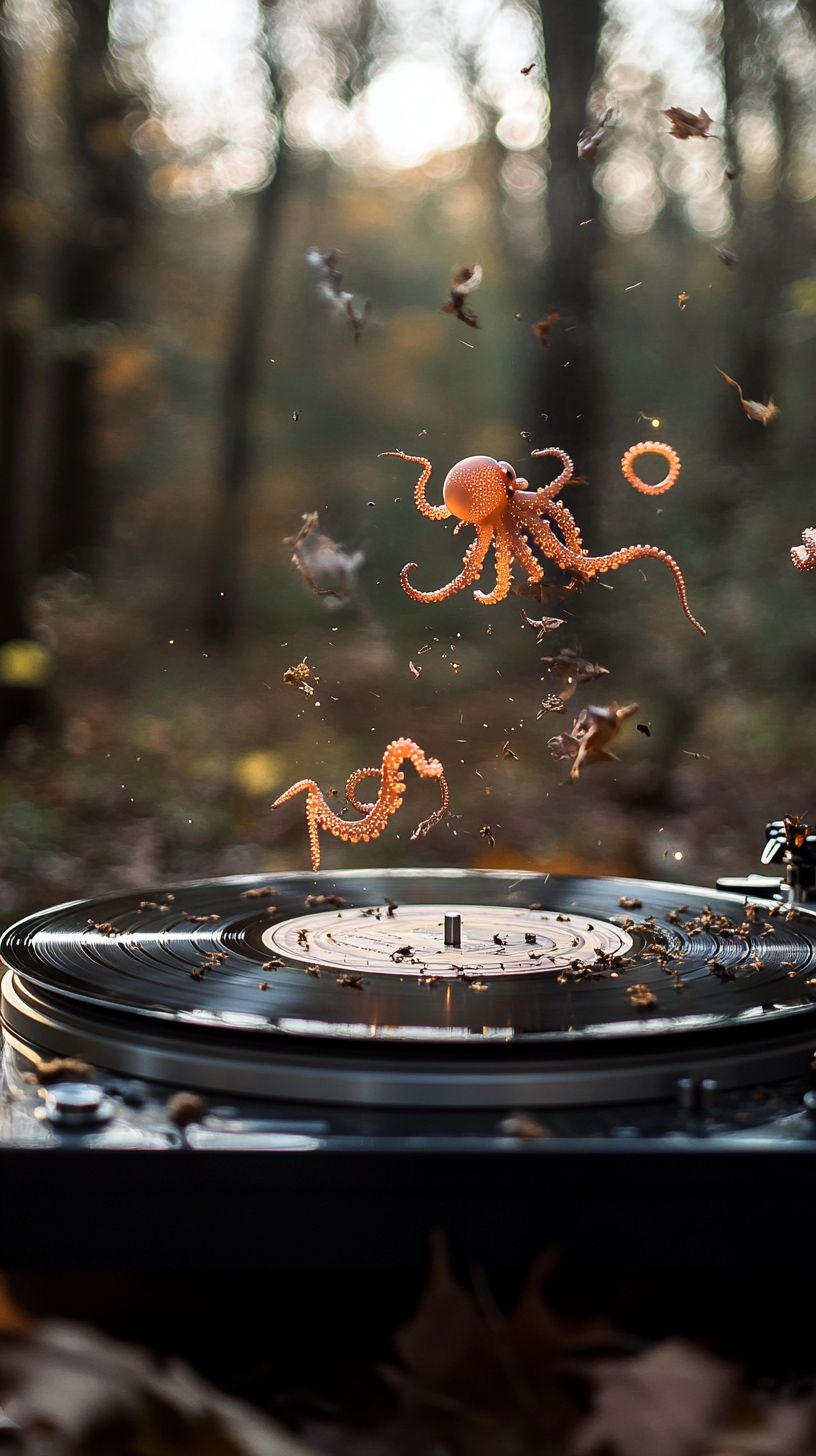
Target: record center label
[{"x": 496, "y": 940}]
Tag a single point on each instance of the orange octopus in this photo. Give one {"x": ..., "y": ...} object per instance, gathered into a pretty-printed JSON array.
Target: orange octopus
[
  {"x": 486, "y": 493},
  {"x": 376, "y": 815}
]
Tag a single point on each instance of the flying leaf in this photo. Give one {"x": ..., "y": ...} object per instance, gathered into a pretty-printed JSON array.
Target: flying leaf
[
  {"x": 574, "y": 670},
  {"x": 591, "y": 138},
  {"x": 592, "y": 731},
  {"x": 462, "y": 283},
  {"x": 297, "y": 677},
  {"x": 542, "y": 328},
  {"x": 684, "y": 124},
  {"x": 331, "y": 290},
  {"x": 326, "y": 567},
  {"x": 543, "y": 625}
]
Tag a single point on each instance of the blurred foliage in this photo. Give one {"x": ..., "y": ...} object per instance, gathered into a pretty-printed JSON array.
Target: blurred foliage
[{"x": 144, "y": 751}]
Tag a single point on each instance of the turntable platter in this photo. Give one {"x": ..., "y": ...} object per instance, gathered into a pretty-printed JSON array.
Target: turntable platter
[{"x": 340, "y": 987}]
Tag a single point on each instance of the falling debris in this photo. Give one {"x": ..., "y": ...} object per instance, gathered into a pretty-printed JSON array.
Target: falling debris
[
  {"x": 298, "y": 677},
  {"x": 525, "y": 70},
  {"x": 487, "y": 835},
  {"x": 507, "y": 751},
  {"x": 591, "y": 138},
  {"x": 804, "y": 556},
  {"x": 592, "y": 730},
  {"x": 682, "y": 300},
  {"x": 685, "y": 125},
  {"x": 644, "y": 729},
  {"x": 551, "y": 704},
  {"x": 417, "y": 671},
  {"x": 326, "y": 567},
  {"x": 574, "y": 670},
  {"x": 762, "y": 414},
  {"x": 542, "y": 328},
  {"x": 296, "y": 414},
  {"x": 462, "y": 283},
  {"x": 543, "y": 625},
  {"x": 430, "y": 823},
  {"x": 330, "y": 289}
]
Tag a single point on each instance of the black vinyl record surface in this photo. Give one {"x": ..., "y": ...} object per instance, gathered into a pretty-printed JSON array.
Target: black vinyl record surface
[{"x": 340, "y": 987}]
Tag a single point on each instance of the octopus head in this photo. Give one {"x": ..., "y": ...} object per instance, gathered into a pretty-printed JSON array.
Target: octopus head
[{"x": 478, "y": 487}]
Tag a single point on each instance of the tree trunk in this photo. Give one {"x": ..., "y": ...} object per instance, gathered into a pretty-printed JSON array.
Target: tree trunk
[
  {"x": 101, "y": 226},
  {"x": 19, "y": 700},
  {"x": 568, "y": 385},
  {"x": 235, "y": 464}
]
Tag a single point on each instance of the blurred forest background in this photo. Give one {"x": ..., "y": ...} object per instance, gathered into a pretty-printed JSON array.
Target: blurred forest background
[{"x": 176, "y": 391}]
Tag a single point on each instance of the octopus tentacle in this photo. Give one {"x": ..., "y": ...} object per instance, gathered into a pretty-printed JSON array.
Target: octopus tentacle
[
  {"x": 433, "y": 819},
  {"x": 651, "y": 447},
  {"x": 389, "y": 799},
  {"x": 522, "y": 551},
  {"x": 504, "y": 562},
  {"x": 591, "y": 565},
  {"x": 351, "y": 784},
  {"x": 548, "y": 491},
  {"x": 473, "y": 562},
  {"x": 434, "y": 513},
  {"x": 529, "y": 505},
  {"x": 544, "y": 536}
]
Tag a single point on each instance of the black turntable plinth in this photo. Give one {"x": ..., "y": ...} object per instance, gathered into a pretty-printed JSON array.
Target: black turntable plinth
[{"x": 511, "y": 1055}]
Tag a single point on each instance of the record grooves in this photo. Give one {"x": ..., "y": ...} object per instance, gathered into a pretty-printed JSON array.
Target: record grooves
[{"x": 339, "y": 987}]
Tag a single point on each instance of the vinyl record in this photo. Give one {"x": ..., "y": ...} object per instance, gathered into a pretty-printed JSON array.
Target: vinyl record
[{"x": 341, "y": 987}]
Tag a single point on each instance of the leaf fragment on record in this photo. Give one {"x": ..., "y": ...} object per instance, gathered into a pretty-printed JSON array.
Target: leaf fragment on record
[
  {"x": 761, "y": 414},
  {"x": 591, "y": 138},
  {"x": 641, "y": 996},
  {"x": 542, "y": 328},
  {"x": 685, "y": 125},
  {"x": 462, "y": 283}
]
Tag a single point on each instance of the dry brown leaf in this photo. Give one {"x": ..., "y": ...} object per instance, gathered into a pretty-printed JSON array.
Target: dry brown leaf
[
  {"x": 542, "y": 328},
  {"x": 592, "y": 730},
  {"x": 640, "y": 995},
  {"x": 684, "y": 124},
  {"x": 297, "y": 677},
  {"x": 574, "y": 670},
  {"x": 591, "y": 138},
  {"x": 682, "y": 300},
  {"x": 462, "y": 283}
]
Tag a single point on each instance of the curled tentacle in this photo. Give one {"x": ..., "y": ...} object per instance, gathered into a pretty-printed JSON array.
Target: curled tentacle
[
  {"x": 521, "y": 550},
  {"x": 472, "y": 565},
  {"x": 504, "y": 562},
  {"x": 351, "y": 784},
  {"x": 548, "y": 491},
  {"x": 434, "y": 513},
  {"x": 389, "y": 799},
  {"x": 651, "y": 447}
]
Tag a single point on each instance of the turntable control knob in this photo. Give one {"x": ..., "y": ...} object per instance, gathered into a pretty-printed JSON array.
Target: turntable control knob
[{"x": 74, "y": 1103}]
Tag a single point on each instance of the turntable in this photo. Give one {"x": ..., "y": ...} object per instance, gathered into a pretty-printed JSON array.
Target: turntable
[{"x": 513, "y": 1055}]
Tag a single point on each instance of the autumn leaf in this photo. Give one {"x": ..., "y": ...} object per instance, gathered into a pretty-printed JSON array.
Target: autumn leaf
[
  {"x": 591, "y": 138},
  {"x": 684, "y": 124},
  {"x": 542, "y": 328},
  {"x": 462, "y": 283}
]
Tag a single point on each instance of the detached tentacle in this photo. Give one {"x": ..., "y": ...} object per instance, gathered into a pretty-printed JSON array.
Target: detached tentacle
[
  {"x": 589, "y": 566},
  {"x": 389, "y": 799},
  {"x": 434, "y": 513},
  {"x": 472, "y": 565},
  {"x": 651, "y": 447},
  {"x": 504, "y": 562}
]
